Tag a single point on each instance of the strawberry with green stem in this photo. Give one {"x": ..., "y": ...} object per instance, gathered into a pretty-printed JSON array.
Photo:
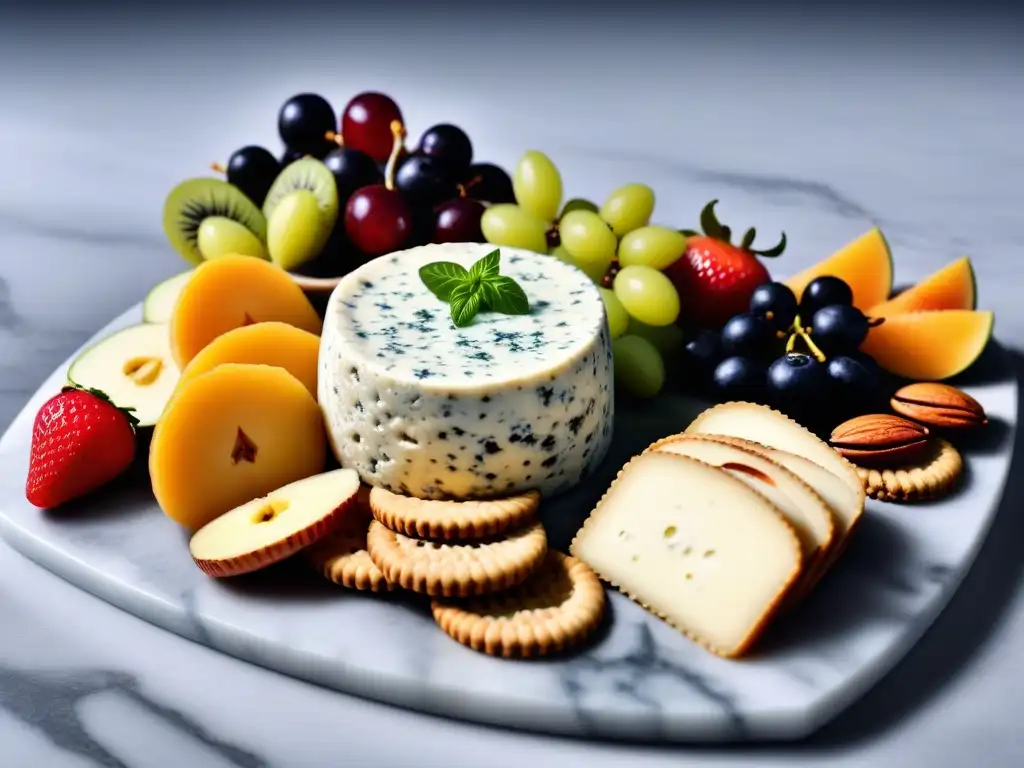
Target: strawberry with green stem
[
  {"x": 715, "y": 278},
  {"x": 80, "y": 442}
]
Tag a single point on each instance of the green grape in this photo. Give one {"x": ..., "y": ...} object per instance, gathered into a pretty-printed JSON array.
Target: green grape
[
  {"x": 628, "y": 208},
  {"x": 668, "y": 339},
  {"x": 296, "y": 229},
  {"x": 639, "y": 368},
  {"x": 647, "y": 295},
  {"x": 595, "y": 272},
  {"x": 651, "y": 246},
  {"x": 220, "y": 236},
  {"x": 589, "y": 241},
  {"x": 578, "y": 204},
  {"x": 618, "y": 317},
  {"x": 537, "y": 185},
  {"x": 508, "y": 224}
]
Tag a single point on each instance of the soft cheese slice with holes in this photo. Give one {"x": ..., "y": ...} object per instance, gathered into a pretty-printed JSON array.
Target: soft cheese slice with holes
[
  {"x": 774, "y": 430},
  {"x": 806, "y": 511},
  {"x": 695, "y": 546},
  {"x": 846, "y": 504}
]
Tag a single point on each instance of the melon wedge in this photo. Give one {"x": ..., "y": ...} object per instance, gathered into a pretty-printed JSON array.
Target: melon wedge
[
  {"x": 865, "y": 264},
  {"x": 930, "y": 346},
  {"x": 952, "y": 287}
]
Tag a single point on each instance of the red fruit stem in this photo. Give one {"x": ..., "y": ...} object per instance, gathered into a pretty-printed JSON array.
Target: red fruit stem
[
  {"x": 398, "y": 132},
  {"x": 218, "y": 168},
  {"x": 335, "y": 137}
]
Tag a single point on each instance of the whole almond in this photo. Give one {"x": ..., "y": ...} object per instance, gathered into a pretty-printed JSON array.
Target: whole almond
[
  {"x": 880, "y": 439},
  {"x": 938, "y": 405}
]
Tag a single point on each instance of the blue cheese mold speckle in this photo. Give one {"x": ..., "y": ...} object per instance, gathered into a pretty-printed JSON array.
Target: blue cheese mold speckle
[{"x": 506, "y": 404}]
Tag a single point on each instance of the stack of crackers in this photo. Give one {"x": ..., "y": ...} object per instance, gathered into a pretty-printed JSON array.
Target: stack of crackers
[{"x": 494, "y": 584}]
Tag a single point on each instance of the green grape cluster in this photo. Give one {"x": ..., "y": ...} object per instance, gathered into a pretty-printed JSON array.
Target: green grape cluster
[{"x": 617, "y": 247}]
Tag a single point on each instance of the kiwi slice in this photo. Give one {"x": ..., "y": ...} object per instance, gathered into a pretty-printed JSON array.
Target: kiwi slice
[
  {"x": 311, "y": 175},
  {"x": 193, "y": 201}
]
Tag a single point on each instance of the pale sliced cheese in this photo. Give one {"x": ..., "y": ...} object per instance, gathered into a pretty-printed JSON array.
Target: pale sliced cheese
[
  {"x": 774, "y": 430},
  {"x": 806, "y": 511},
  {"x": 846, "y": 504},
  {"x": 695, "y": 546}
]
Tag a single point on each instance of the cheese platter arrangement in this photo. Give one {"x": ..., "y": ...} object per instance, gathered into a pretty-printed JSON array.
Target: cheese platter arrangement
[{"x": 424, "y": 431}]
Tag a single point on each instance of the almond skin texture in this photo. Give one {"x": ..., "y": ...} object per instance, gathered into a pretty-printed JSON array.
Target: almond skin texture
[
  {"x": 938, "y": 405},
  {"x": 880, "y": 439}
]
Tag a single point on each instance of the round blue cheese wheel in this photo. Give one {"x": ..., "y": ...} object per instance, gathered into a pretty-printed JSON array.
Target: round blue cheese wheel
[{"x": 506, "y": 404}]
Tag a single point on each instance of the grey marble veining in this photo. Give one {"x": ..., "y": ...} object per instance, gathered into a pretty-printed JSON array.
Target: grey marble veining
[{"x": 916, "y": 135}]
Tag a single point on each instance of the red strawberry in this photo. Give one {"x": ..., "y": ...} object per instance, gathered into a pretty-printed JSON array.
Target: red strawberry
[
  {"x": 80, "y": 441},
  {"x": 714, "y": 278}
]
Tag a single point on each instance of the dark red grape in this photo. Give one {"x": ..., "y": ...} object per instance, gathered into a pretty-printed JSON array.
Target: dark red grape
[
  {"x": 450, "y": 145},
  {"x": 304, "y": 122},
  {"x": 838, "y": 328},
  {"x": 488, "y": 183},
  {"x": 424, "y": 181},
  {"x": 824, "y": 292},
  {"x": 458, "y": 221},
  {"x": 289, "y": 156},
  {"x": 366, "y": 124},
  {"x": 776, "y": 303},
  {"x": 377, "y": 220},
  {"x": 749, "y": 336},
  {"x": 352, "y": 170},
  {"x": 253, "y": 169}
]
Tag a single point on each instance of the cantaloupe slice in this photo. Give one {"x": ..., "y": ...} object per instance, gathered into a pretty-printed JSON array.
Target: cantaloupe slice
[
  {"x": 230, "y": 292},
  {"x": 930, "y": 346},
  {"x": 231, "y": 435},
  {"x": 271, "y": 343},
  {"x": 865, "y": 264},
  {"x": 952, "y": 287}
]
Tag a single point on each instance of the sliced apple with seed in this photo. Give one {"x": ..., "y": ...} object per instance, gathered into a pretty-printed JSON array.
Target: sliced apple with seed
[
  {"x": 134, "y": 367},
  {"x": 274, "y": 527}
]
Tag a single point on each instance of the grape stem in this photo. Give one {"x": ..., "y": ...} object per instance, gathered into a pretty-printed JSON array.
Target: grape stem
[
  {"x": 464, "y": 187},
  {"x": 798, "y": 331},
  {"x": 398, "y": 132},
  {"x": 335, "y": 137},
  {"x": 218, "y": 168}
]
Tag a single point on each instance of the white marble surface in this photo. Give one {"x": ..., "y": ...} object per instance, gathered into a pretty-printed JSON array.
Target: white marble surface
[
  {"x": 911, "y": 124},
  {"x": 638, "y": 679}
]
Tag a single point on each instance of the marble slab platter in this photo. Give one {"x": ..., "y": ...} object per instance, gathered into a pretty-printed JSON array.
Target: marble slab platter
[{"x": 639, "y": 680}]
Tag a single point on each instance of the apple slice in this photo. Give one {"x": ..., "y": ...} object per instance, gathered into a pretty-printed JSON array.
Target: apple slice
[
  {"x": 271, "y": 528},
  {"x": 133, "y": 367},
  {"x": 159, "y": 302}
]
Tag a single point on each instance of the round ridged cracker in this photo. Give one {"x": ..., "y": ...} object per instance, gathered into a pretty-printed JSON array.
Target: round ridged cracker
[
  {"x": 457, "y": 570},
  {"x": 932, "y": 476},
  {"x": 557, "y": 607},
  {"x": 341, "y": 556},
  {"x": 452, "y": 520}
]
